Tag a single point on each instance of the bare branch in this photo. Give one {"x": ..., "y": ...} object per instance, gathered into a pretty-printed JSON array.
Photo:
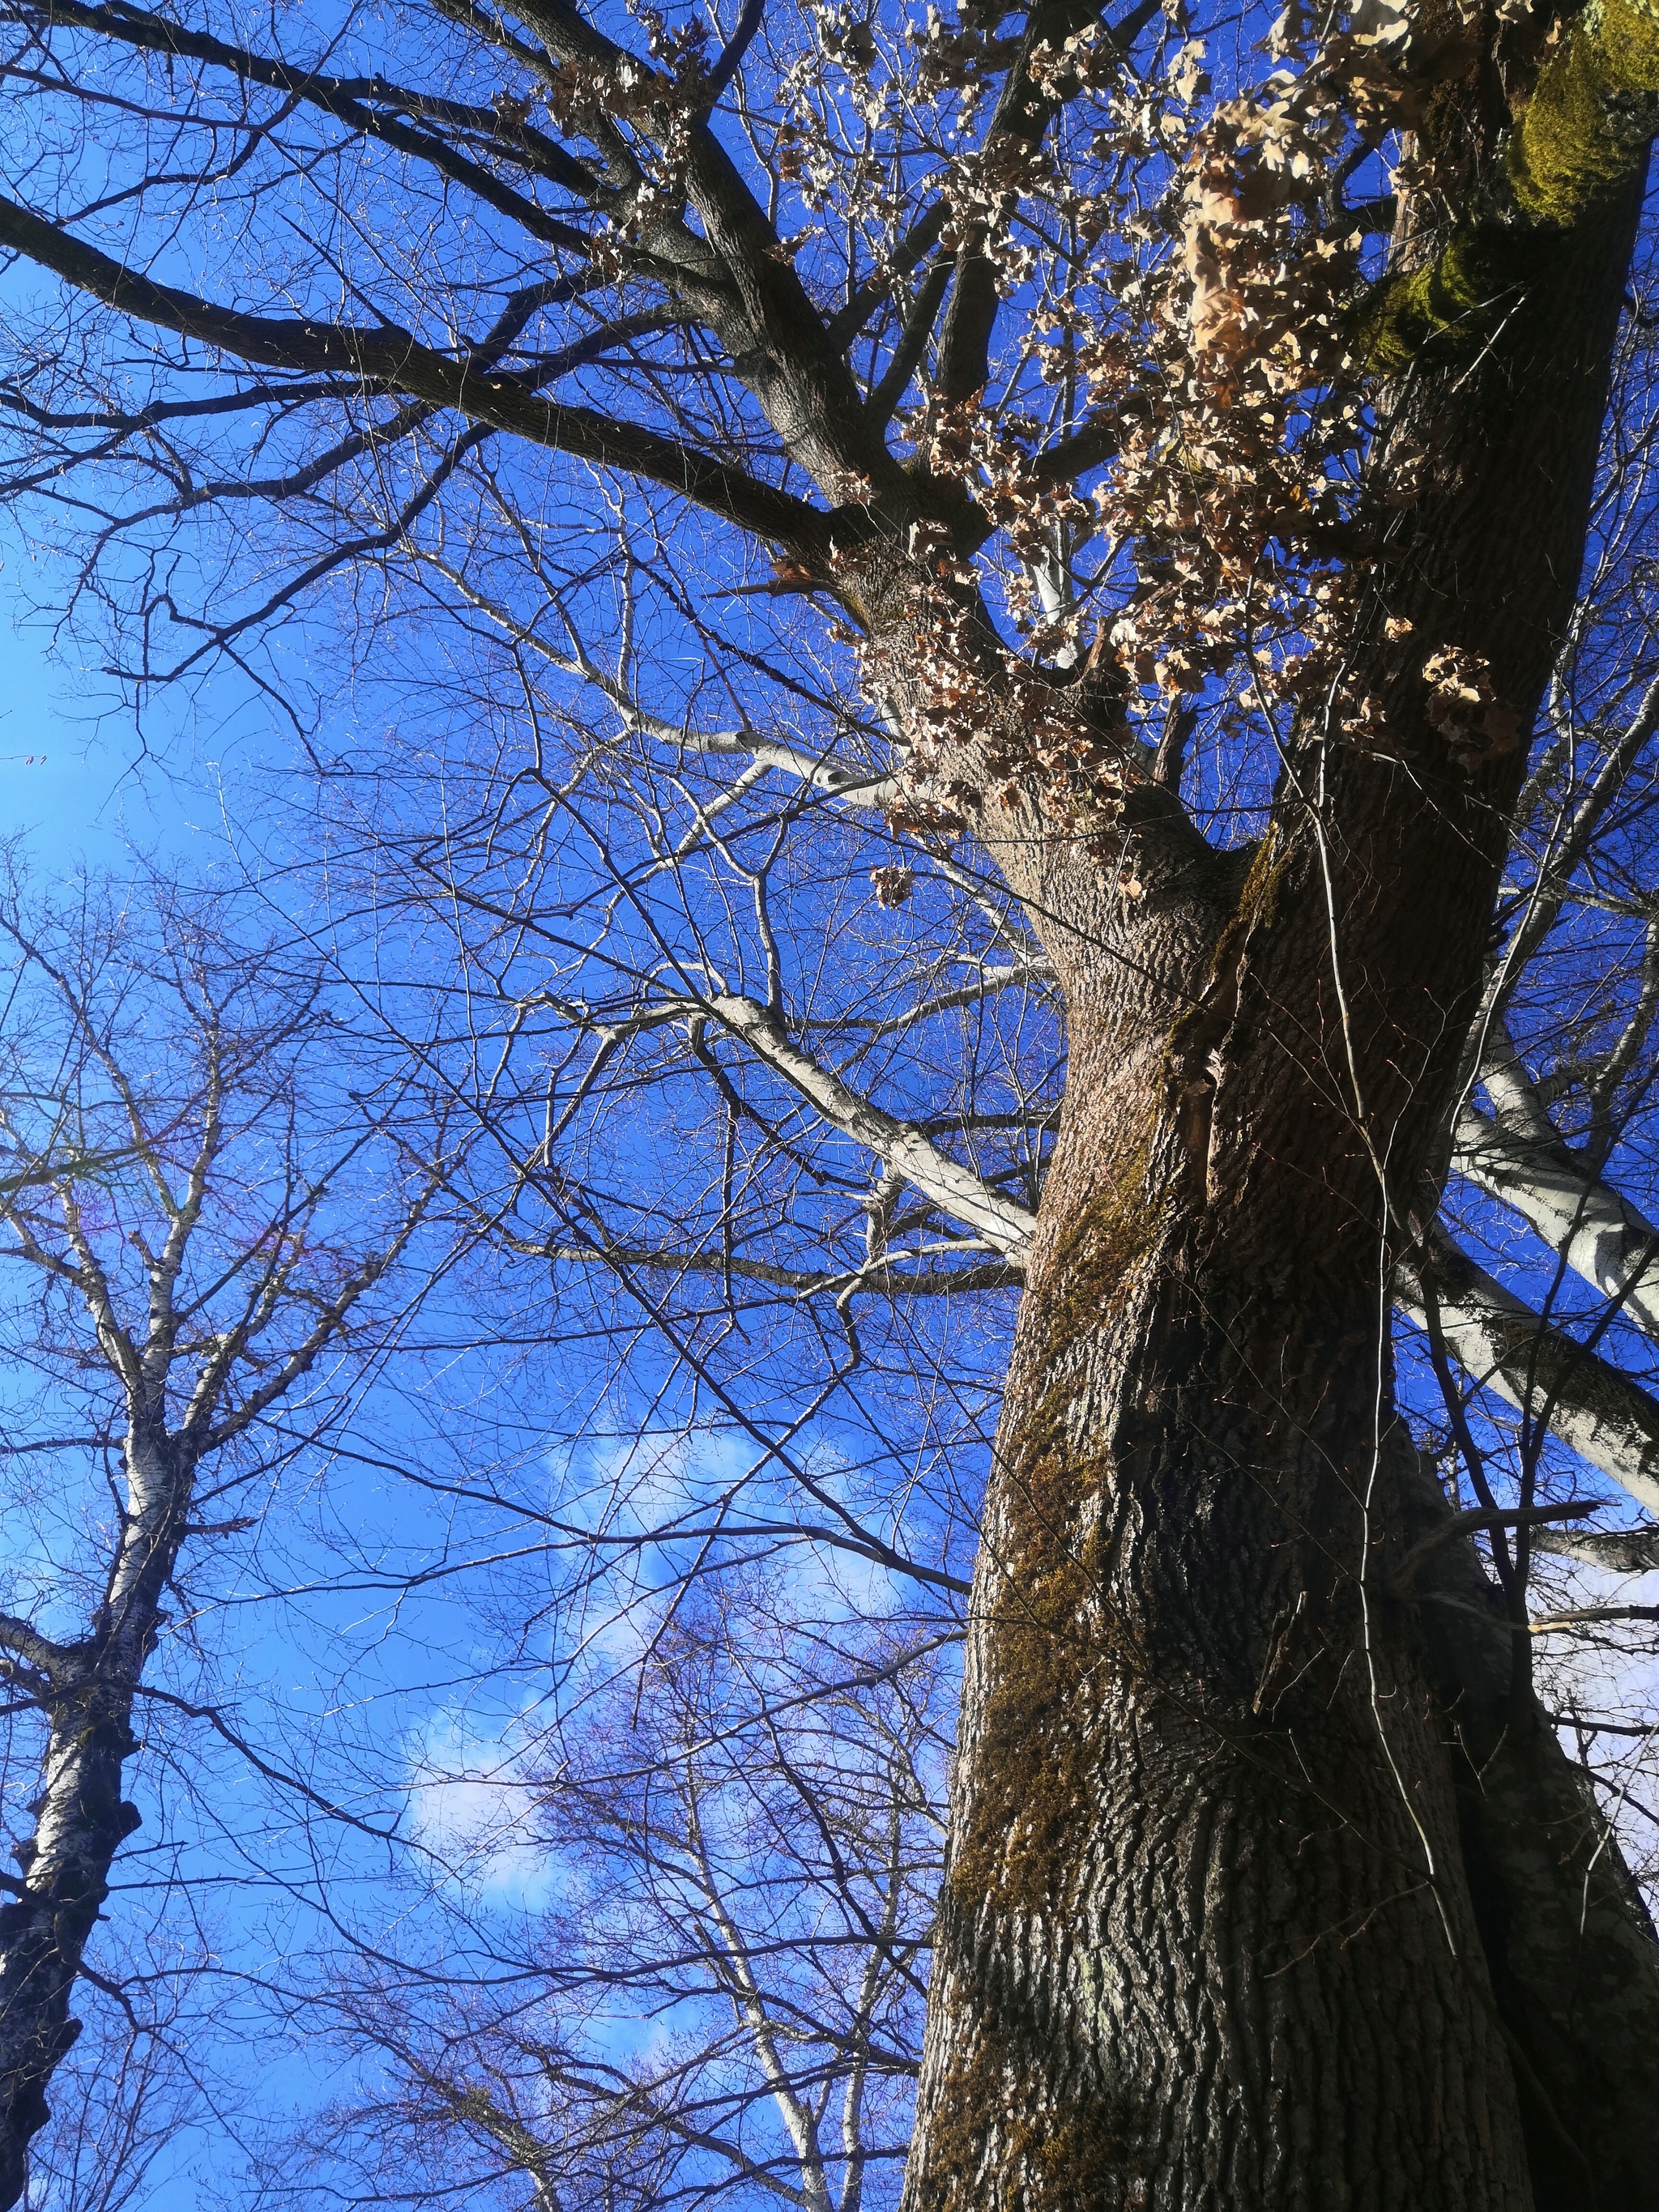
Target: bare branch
[{"x": 1599, "y": 1413}]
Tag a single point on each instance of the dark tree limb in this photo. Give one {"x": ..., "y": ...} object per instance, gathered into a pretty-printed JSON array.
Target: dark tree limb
[{"x": 392, "y": 358}]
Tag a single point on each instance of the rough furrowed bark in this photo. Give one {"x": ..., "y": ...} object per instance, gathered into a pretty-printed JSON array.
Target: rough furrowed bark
[
  {"x": 1209, "y": 1937},
  {"x": 1203, "y": 1941},
  {"x": 1568, "y": 1944}
]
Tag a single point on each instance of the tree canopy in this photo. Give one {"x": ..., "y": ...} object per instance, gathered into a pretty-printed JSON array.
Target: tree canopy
[{"x": 954, "y": 687}]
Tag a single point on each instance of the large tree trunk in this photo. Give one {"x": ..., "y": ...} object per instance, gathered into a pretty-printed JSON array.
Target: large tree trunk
[
  {"x": 1222, "y": 1926},
  {"x": 1204, "y": 1939}
]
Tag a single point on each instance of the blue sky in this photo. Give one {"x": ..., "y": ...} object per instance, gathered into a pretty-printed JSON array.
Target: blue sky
[
  {"x": 85, "y": 791},
  {"x": 82, "y": 788},
  {"x": 77, "y": 780}
]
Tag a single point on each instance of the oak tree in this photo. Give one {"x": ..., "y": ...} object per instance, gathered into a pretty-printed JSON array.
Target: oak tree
[{"x": 1198, "y": 568}]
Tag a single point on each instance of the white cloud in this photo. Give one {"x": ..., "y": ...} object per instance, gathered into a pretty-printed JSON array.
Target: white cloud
[{"x": 473, "y": 1806}]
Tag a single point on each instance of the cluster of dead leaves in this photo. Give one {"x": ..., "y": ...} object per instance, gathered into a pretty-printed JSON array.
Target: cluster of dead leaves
[{"x": 1477, "y": 724}]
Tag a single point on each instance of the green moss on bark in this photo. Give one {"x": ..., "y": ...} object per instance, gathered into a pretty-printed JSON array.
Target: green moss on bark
[
  {"x": 1092, "y": 2155},
  {"x": 1586, "y": 129},
  {"x": 1035, "y": 1759},
  {"x": 1448, "y": 309},
  {"x": 1579, "y": 142}
]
